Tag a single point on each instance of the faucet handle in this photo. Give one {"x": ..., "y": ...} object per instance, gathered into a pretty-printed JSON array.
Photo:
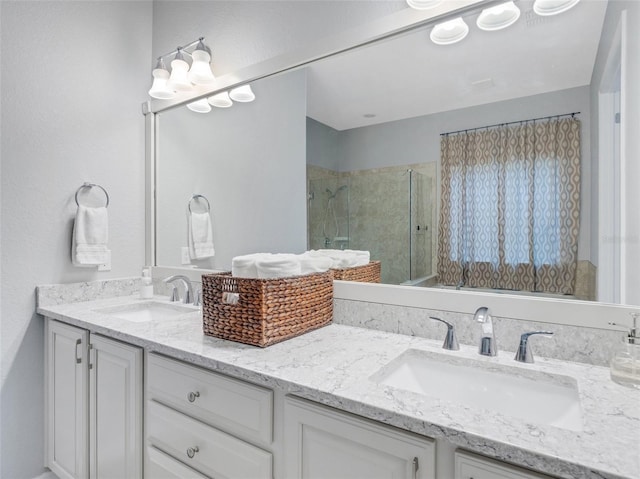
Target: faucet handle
[
  {"x": 450, "y": 340},
  {"x": 174, "y": 293},
  {"x": 524, "y": 354}
]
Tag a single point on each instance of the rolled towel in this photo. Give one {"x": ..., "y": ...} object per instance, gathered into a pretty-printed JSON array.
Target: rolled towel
[
  {"x": 278, "y": 266},
  {"x": 90, "y": 236},
  {"x": 361, "y": 257},
  {"x": 314, "y": 264},
  {"x": 200, "y": 236},
  {"x": 347, "y": 258},
  {"x": 245, "y": 266}
]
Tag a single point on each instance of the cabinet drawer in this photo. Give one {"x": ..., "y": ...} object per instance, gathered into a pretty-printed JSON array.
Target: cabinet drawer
[
  {"x": 163, "y": 466},
  {"x": 203, "y": 447},
  {"x": 232, "y": 405},
  {"x": 472, "y": 466}
]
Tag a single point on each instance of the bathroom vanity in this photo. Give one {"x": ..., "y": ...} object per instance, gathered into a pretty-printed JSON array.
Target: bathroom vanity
[{"x": 324, "y": 404}]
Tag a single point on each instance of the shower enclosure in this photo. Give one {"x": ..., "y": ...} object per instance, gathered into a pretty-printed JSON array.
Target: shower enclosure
[{"x": 387, "y": 211}]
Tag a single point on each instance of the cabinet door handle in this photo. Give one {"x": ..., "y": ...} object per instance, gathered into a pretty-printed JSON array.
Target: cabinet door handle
[
  {"x": 78, "y": 359},
  {"x": 192, "y": 396},
  {"x": 192, "y": 451},
  {"x": 416, "y": 466}
]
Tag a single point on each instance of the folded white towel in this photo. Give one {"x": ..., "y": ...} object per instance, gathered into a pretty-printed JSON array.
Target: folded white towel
[
  {"x": 278, "y": 266},
  {"x": 347, "y": 258},
  {"x": 90, "y": 236},
  {"x": 245, "y": 266},
  {"x": 314, "y": 264},
  {"x": 200, "y": 236}
]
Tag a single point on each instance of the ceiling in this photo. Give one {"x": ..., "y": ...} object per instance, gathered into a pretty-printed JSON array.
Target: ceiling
[{"x": 410, "y": 76}]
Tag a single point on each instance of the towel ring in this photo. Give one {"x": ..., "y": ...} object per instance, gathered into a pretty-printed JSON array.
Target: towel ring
[
  {"x": 91, "y": 185},
  {"x": 195, "y": 197}
]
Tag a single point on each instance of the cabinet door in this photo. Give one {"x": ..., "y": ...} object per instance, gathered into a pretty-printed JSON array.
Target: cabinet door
[
  {"x": 66, "y": 400},
  {"x": 324, "y": 443},
  {"x": 115, "y": 407},
  {"x": 472, "y": 466}
]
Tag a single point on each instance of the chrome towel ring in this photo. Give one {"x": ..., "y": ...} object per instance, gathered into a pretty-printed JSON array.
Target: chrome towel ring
[
  {"x": 91, "y": 185},
  {"x": 195, "y": 197}
]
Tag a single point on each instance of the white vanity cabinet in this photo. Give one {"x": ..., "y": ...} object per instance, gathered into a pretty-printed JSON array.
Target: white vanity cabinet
[
  {"x": 473, "y": 466},
  {"x": 207, "y": 422},
  {"x": 322, "y": 442},
  {"x": 93, "y": 404}
]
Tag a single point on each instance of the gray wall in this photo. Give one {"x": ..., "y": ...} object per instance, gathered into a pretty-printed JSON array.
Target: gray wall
[
  {"x": 73, "y": 77},
  {"x": 249, "y": 161}
]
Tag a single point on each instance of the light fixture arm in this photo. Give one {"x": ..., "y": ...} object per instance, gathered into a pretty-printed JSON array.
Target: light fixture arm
[{"x": 184, "y": 49}]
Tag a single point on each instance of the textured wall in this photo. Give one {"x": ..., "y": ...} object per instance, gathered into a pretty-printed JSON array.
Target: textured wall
[{"x": 73, "y": 77}]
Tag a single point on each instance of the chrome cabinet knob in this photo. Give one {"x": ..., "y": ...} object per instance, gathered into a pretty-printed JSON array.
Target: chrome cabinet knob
[
  {"x": 192, "y": 396},
  {"x": 192, "y": 451}
]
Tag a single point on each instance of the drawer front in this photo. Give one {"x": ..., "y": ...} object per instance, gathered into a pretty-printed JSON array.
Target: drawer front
[
  {"x": 472, "y": 466},
  {"x": 232, "y": 405},
  {"x": 163, "y": 466},
  {"x": 204, "y": 448}
]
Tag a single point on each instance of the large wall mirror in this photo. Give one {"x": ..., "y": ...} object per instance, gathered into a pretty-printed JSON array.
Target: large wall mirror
[{"x": 346, "y": 152}]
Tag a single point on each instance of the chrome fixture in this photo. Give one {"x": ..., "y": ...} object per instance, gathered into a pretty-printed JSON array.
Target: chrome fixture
[
  {"x": 188, "y": 289},
  {"x": 524, "y": 354},
  {"x": 197, "y": 294},
  {"x": 450, "y": 341},
  {"x": 488, "y": 345}
]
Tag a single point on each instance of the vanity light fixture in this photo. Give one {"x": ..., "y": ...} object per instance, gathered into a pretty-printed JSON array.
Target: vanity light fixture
[
  {"x": 449, "y": 32},
  {"x": 159, "y": 88},
  {"x": 423, "y": 4},
  {"x": 242, "y": 94},
  {"x": 498, "y": 17},
  {"x": 220, "y": 100},
  {"x": 552, "y": 7},
  {"x": 179, "y": 80},
  {"x": 200, "y": 73},
  {"x": 199, "y": 106},
  {"x": 183, "y": 76}
]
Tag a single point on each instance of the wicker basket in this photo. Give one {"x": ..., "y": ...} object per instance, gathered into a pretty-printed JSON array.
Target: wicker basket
[
  {"x": 369, "y": 273},
  {"x": 262, "y": 312}
]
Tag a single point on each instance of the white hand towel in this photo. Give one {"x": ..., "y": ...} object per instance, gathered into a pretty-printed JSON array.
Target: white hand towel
[
  {"x": 361, "y": 257},
  {"x": 90, "y": 236},
  {"x": 200, "y": 236},
  {"x": 278, "y": 266},
  {"x": 314, "y": 264},
  {"x": 245, "y": 266}
]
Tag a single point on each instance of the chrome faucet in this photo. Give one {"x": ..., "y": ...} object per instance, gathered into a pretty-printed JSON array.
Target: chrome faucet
[
  {"x": 188, "y": 290},
  {"x": 524, "y": 354},
  {"x": 450, "y": 341},
  {"x": 488, "y": 345}
]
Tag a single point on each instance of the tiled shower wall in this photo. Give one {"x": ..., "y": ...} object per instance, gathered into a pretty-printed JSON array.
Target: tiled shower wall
[{"x": 373, "y": 213}]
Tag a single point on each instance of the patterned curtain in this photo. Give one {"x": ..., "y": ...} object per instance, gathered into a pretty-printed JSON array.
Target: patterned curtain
[{"x": 510, "y": 207}]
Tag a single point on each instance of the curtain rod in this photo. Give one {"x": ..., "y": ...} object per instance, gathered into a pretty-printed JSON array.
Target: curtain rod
[{"x": 511, "y": 123}]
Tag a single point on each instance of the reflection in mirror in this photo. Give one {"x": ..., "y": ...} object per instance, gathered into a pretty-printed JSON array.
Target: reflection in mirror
[{"x": 373, "y": 122}]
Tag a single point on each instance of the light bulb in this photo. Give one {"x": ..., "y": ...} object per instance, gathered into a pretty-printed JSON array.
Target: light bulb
[
  {"x": 242, "y": 94},
  {"x": 179, "y": 70},
  {"x": 498, "y": 17},
  {"x": 200, "y": 73},
  {"x": 449, "y": 32},
  {"x": 221, "y": 100},
  {"x": 159, "y": 88},
  {"x": 553, "y": 7},
  {"x": 423, "y": 4},
  {"x": 199, "y": 106}
]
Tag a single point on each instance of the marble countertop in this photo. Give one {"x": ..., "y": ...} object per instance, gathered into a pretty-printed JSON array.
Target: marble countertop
[{"x": 337, "y": 365}]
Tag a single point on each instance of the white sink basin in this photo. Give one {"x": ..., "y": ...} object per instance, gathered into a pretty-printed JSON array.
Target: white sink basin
[
  {"x": 534, "y": 396},
  {"x": 147, "y": 311}
]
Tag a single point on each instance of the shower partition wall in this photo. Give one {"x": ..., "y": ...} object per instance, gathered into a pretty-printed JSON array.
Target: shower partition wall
[{"x": 387, "y": 211}]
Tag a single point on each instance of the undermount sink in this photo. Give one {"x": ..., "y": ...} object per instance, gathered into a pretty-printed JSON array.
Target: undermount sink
[
  {"x": 534, "y": 396},
  {"x": 147, "y": 311}
]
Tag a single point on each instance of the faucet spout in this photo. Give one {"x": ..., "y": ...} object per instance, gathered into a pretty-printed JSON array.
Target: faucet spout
[
  {"x": 188, "y": 289},
  {"x": 488, "y": 344}
]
